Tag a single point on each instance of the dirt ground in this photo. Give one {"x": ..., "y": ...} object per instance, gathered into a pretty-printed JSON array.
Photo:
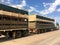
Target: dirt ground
[{"x": 49, "y": 38}]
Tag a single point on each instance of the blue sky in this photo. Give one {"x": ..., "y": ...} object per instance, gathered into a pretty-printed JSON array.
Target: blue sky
[{"x": 48, "y": 8}]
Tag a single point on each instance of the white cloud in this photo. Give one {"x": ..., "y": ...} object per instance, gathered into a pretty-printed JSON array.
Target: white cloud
[
  {"x": 58, "y": 10},
  {"x": 1, "y": 1},
  {"x": 20, "y": 6},
  {"x": 23, "y": 3},
  {"x": 51, "y": 9},
  {"x": 57, "y": 19},
  {"x": 8, "y": 1},
  {"x": 46, "y": 4},
  {"x": 33, "y": 9}
]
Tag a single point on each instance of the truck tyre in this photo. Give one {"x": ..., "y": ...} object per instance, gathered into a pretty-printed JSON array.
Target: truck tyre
[
  {"x": 7, "y": 35},
  {"x": 38, "y": 31},
  {"x": 10, "y": 34},
  {"x": 18, "y": 34},
  {"x": 24, "y": 33}
]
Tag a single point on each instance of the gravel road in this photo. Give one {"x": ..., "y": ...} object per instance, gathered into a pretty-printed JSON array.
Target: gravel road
[{"x": 49, "y": 38}]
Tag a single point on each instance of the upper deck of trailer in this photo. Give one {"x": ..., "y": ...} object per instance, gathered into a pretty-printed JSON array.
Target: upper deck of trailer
[
  {"x": 11, "y": 9},
  {"x": 40, "y": 18},
  {"x": 44, "y": 18}
]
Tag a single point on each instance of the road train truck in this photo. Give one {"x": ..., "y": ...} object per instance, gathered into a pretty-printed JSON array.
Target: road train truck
[
  {"x": 38, "y": 24},
  {"x": 13, "y": 21}
]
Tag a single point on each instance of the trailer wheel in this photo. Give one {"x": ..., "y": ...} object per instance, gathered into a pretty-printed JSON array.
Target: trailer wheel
[
  {"x": 38, "y": 31},
  {"x": 24, "y": 33},
  {"x": 10, "y": 34},
  {"x": 18, "y": 34},
  {"x": 7, "y": 35}
]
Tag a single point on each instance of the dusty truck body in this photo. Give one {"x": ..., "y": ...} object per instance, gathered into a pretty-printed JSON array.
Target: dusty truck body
[
  {"x": 38, "y": 24},
  {"x": 13, "y": 21}
]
